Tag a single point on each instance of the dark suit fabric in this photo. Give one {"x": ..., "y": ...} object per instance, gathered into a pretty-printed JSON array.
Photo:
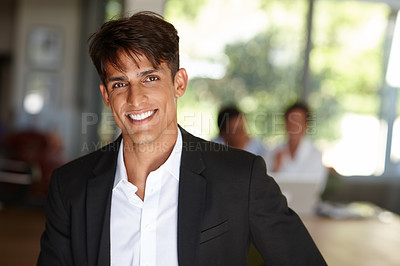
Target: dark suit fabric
[{"x": 226, "y": 200}]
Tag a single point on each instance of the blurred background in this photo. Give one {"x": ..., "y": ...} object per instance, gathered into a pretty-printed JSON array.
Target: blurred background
[{"x": 341, "y": 57}]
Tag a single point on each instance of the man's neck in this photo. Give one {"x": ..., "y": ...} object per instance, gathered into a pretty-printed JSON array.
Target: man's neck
[{"x": 141, "y": 159}]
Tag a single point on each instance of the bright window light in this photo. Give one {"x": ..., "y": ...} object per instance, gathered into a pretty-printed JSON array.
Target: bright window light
[
  {"x": 395, "y": 151},
  {"x": 359, "y": 150}
]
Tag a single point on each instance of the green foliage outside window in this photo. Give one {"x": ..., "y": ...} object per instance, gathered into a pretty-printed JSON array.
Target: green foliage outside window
[{"x": 264, "y": 73}]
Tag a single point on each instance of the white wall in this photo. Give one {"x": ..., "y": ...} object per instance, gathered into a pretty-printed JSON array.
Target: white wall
[{"x": 64, "y": 17}]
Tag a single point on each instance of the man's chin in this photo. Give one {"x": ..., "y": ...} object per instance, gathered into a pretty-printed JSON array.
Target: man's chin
[
  {"x": 141, "y": 139},
  {"x": 148, "y": 136}
]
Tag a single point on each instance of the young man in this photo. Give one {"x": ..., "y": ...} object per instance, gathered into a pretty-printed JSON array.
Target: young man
[{"x": 158, "y": 195}]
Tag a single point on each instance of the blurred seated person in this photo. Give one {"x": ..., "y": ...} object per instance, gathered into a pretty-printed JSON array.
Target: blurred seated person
[
  {"x": 298, "y": 159},
  {"x": 232, "y": 132}
]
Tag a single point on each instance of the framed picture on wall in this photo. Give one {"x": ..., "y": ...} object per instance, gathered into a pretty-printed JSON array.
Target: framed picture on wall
[{"x": 45, "y": 47}]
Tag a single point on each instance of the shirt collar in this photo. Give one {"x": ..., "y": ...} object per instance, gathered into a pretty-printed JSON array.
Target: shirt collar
[{"x": 172, "y": 164}]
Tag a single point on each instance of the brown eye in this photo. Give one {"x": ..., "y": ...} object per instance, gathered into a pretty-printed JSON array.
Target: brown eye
[
  {"x": 118, "y": 85},
  {"x": 152, "y": 78}
]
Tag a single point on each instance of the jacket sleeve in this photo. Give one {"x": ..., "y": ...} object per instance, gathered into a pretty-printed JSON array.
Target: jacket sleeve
[
  {"x": 276, "y": 231},
  {"x": 55, "y": 243}
]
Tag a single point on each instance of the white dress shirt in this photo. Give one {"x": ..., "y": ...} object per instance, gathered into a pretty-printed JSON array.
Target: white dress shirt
[
  {"x": 306, "y": 165},
  {"x": 145, "y": 232}
]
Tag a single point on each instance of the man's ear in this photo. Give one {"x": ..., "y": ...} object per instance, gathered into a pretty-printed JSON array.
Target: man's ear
[
  {"x": 104, "y": 93},
  {"x": 180, "y": 82}
]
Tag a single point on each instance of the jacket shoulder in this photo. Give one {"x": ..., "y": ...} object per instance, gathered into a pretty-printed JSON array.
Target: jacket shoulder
[{"x": 217, "y": 154}]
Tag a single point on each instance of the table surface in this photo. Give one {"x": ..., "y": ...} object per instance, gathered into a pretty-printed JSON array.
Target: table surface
[{"x": 351, "y": 242}]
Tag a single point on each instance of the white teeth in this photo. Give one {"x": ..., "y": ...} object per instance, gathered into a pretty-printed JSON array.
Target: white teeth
[{"x": 141, "y": 116}]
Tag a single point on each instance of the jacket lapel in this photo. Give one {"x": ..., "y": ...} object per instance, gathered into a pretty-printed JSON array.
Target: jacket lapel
[
  {"x": 192, "y": 188},
  {"x": 98, "y": 206}
]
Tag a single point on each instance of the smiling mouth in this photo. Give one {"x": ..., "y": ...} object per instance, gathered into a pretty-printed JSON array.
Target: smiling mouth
[{"x": 142, "y": 116}]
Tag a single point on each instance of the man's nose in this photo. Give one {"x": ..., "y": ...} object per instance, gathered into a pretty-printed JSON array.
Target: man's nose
[{"x": 136, "y": 95}]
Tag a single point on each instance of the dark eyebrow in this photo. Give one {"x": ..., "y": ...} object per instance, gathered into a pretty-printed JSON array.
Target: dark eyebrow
[
  {"x": 117, "y": 78},
  {"x": 149, "y": 71}
]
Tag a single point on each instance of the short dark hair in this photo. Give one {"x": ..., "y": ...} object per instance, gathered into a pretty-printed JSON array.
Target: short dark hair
[
  {"x": 142, "y": 34},
  {"x": 225, "y": 114},
  {"x": 298, "y": 105}
]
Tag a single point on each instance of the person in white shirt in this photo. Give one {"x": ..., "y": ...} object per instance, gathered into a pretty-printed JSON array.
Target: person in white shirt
[
  {"x": 298, "y": 159},
  {"x": 158, "y": 195},
  {"x": 232, "y": 131}
]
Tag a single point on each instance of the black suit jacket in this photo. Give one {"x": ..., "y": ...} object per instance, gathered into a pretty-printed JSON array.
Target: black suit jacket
[{"x": 226, "y": 200}]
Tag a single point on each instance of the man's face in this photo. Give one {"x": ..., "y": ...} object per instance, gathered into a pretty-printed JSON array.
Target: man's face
[{"x": 143, "y": 100}]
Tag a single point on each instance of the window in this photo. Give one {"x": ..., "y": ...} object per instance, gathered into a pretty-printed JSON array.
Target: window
[{"x": 253, "y": 55}]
